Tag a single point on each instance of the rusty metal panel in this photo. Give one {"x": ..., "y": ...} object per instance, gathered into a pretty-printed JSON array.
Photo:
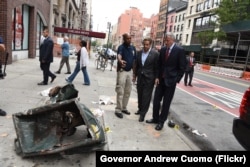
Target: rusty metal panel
[{"x": 63, "y": 126}]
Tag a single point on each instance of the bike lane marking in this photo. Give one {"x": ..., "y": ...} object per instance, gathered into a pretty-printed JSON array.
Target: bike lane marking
[{"x": 223, "y": 98}]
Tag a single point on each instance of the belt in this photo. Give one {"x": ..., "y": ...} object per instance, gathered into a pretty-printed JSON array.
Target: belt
[{"x": 121, "y": 70}]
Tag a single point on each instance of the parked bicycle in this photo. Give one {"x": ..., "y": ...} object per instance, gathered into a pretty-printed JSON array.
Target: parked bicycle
[
  {"x": 101, "y": 62},
  {"x": 103, "y": 58}
]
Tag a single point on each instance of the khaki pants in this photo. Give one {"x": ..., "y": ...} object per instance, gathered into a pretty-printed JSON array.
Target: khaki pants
[{"x": 123, "y": 90}]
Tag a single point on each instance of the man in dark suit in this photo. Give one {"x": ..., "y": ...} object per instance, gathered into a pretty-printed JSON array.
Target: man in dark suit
[
  {"x": 172, "y": 64},
  {"x": 46, "y": 57},
  {"x": 145, "y": 70},
  {"x": 189, "y": 72}
]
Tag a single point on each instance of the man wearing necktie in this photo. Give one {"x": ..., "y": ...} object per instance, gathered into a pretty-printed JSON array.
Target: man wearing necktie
[
  {"x": 189, "y": 72},
  {"x": 171, "y": 66}
]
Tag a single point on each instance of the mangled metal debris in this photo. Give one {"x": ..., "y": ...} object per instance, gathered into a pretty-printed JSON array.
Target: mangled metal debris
[{"x": 63, "y": 126}]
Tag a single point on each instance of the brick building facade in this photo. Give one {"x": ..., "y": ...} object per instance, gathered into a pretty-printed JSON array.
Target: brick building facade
[{"x": 21, "y": 25}]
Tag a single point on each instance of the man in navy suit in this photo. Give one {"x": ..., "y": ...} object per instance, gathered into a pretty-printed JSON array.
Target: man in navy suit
[
  {"x": 172, "y": 64},
  {"x": 145, "y": 71},
  {"x": 46, "y": 57},
  {"x": 189, "y": 69}
]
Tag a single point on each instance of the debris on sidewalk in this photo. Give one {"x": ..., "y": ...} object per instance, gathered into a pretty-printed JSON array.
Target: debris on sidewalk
[
  {"x": 45, "y": 92},
  {"x": 104, "y": 100},
  {"x": 195, "y": 132},
  {"x": 63, "y": 126},
  {"x": 97, "y": 112}
]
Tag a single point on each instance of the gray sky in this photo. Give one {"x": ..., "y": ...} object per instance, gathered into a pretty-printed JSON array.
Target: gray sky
[{"x": 104, "y": 11}]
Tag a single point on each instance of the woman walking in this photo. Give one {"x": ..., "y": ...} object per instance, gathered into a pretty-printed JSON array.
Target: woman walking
[{"x": 81, "y": 64}]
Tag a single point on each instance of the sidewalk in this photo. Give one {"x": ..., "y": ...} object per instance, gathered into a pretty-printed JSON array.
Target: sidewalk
[{"x": 19, "y": 92}]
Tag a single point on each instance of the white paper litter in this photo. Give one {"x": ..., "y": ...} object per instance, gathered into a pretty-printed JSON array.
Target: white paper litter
[
  {"x": 45, "y": 92},
  {"x": 97, "y": 112}
]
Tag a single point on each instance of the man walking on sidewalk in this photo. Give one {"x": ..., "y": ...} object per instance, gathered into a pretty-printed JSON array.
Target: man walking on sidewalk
[
  {"x": 189, "y": 72},
  {"x": 65, "y": 56},
  {"x": 46, "y": 57}
]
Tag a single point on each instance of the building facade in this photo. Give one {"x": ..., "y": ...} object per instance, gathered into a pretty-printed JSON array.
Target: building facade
[
  {"x": 23, "y": 21},
  {"x": 21, "y": 26}
]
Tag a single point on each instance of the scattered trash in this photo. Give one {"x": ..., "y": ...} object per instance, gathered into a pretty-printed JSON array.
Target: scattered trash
[
  {"x": 105, "y": 100},
  {"x": 107, "y": 129},
  {"x": 4, "y": 134},
  {"x": 97, "y": 112},
  {"x": 171, "y": 124},
  {"x": 45, "y": 92},
  {"x": 196, "y": 132}
]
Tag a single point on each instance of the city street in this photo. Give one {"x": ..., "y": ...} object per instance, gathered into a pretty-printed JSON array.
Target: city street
[{"x": 20, "y": 92}]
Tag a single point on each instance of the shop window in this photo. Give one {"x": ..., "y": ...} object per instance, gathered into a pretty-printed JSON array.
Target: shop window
[{"x": 20, "y": 27}]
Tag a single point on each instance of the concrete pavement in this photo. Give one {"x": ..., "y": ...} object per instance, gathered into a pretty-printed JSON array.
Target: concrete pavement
[{"x": 19, "y": 92}]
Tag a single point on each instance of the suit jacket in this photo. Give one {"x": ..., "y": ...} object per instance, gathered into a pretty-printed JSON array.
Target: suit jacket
[
  {"x": 174, "y": 67},
  {"x": 46, "y": 50},
  {"x": 150, "y": 68},
  {"x": 188, "y": 67}
]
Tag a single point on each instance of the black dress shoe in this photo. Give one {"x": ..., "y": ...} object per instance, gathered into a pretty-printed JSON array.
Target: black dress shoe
[
  {"x": 119, "y": 115},
  {"x": 126, "y": 112},
  {"x": 190, "y": 85},
  {"x": 159, "y": 126},
  {"x": 53, "y": 78},
  {"x": 152, "y": 121},
  {"x": 137, "y": 113},
  {"x": 2, "y": 113},
  {"x": 42, "y": 83},
  {"x": 67, "y": 73},
  {"x": 57, "y": 72},
  {"x": 141, "y": 119}
]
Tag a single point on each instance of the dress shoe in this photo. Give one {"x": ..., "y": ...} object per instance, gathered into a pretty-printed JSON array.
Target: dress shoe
[
  {"x": 159, "y": 126},
  {"x": 67, "y": 73},
  {"x": 119, "y": 115},
  {"x": 86, "y": 84},
  {"x": 137, "y": 113},
  {"x": 152, "y": 121},
  {"x": 42, "y": 83},
  {"x": 126, "y": 112},
  {"x": 141, "y": 119},
  {"x": 185, "y": 84},
  {"x": 57, "y": 72},
  {"x": 190, "y": 85},
  {"x": 52, "y": 79},
  {"x": 2, "y": 113}
]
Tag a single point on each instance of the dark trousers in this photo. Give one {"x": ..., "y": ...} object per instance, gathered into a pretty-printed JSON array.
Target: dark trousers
[
  {"x": 46, "y": 72},
  {"x": 166, "y": 93},
  {"x": 64, "y": 60},
  {"x": 188, "y": 74},
  {"x": 144, "y": 92}
]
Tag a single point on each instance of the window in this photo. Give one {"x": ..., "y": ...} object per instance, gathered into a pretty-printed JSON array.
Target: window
[
  {"x": 186, "y": 38},
  {"x": 189, "y": 23},
  {"x": 20, "y": 27},
  {"x": 191, "y": 8}
]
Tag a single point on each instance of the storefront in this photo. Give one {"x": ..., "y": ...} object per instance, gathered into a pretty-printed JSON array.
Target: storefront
[{"x": 21, "y": 25}]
